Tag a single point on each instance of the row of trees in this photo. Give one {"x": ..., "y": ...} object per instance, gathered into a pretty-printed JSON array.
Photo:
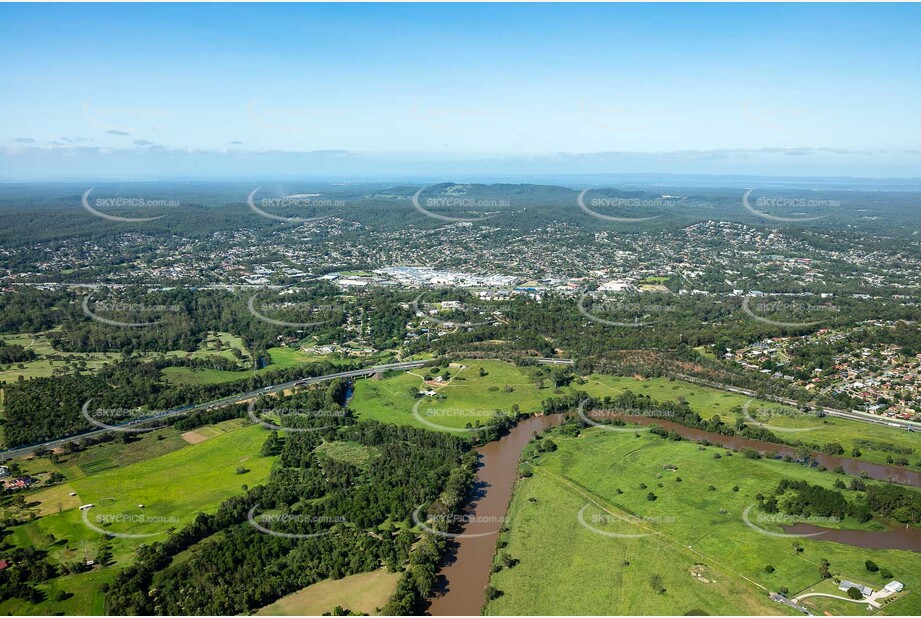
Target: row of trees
[{"x": 802, "y": 499}]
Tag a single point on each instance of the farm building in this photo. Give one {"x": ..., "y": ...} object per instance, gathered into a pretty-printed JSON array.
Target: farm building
[{"x": 895, "y": 586}]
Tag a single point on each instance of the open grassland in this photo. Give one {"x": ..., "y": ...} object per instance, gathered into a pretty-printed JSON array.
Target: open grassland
[
  {"x": 906, "y": 605},
  {"x": 709, "y": 402},
  {"x": 189, "y": 376},
  {"x": 173, "y": 488},
  {"x": 179, "y": 484},
  {"x": 282, "y": 358},
  {"x": 352, "y": 453},
  {"x": 468, "y": 398},
  {"x": 364, "y": 593},
  {"x": 221, "y": 344},
  {"x": 83, "y": 592},
  {"x": 43, "y": 366},
  {"x": 698, "y": 548}
]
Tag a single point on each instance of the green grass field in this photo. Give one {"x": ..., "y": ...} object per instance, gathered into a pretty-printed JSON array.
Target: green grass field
[
  {"x": 476, "y": 398},
  {"x": 466, "y": 398},
  {"x": 365, "y": 592},
  {"x": 709, "y": 402},
  {"x": 705, "y": 556},
  {"x": 281, "y": 358},
  {"x": 44, "y": 367},
  {"x": 85, "y": 596},
  {"x": 172, "y": 487},
  {"x": 353, "y": 453}
]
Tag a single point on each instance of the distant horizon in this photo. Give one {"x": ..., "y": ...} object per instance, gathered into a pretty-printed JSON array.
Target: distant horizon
[
  {"x": 208, "y": 91},
  {"x": 115, "y": 166},
  {"x": 647, "y": 180}
]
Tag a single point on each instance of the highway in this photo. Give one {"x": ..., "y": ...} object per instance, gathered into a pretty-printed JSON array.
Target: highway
[
  {"x": 211, "y": 405},
  {"x": 863, "y": 417}
]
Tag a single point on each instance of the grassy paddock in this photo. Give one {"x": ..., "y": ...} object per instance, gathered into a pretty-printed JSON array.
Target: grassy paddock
[
  {"x": 475, "y": 398},
  {"x": 704, "y": 555},
  {"x": 709, "y": 402},
  {"x": 173, "y": 487},
  {"x": 365, "y": 592}
]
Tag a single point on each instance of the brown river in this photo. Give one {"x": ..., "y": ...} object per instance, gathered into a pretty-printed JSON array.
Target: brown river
[{"x": 462, "y": 582}]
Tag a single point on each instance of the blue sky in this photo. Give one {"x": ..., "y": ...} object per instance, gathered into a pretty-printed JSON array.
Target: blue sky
[{"x": 161, "y": 90}]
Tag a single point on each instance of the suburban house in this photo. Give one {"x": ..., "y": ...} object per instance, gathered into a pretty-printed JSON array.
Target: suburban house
[{"x": 864, "y": 590}]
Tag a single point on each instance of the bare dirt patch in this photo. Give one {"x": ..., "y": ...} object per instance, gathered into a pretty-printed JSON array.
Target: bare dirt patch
[{"x": 193, "y": 437}]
